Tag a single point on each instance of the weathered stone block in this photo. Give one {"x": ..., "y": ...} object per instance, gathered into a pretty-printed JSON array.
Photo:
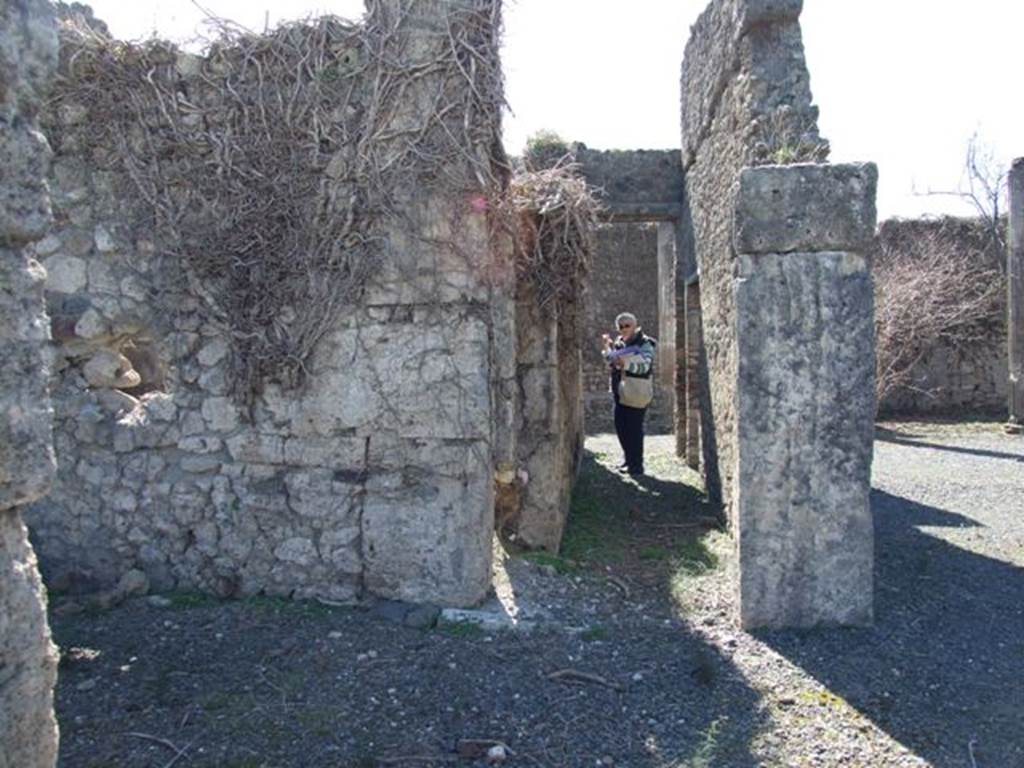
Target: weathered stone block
[
  {"x": 28, "y": 659},
  {"x": 427, "y": 526},
  {"x": 815, "y": 207},
  {"x": 26, "y": 443},
  {"x": 107, "y": 369},
  {"x": 28, "y": 729},
  {"x": 65, "y": 274},
  {"x": 805, "y": 410}
]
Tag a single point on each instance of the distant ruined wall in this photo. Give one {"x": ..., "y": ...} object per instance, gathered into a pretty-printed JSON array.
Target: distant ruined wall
[
  {"x": 787, "y": 390},
  {"x": 375, "y": 474},
  {"x": 624, "y": 278},
  {"x": 636, "y": 266},
  {"x": 28, "y": 658}
]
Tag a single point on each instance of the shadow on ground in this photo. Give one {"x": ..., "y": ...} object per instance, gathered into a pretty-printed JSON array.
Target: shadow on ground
[
  {"x": 942, "y": 670},
  {"x": 651, "y": 537},
  {"x": 913, "y": 441},
  {"x": 263, "y": 683}
]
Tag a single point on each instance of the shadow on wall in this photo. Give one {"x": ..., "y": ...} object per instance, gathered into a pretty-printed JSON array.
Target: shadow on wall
[{"x": 942, "y": 670}]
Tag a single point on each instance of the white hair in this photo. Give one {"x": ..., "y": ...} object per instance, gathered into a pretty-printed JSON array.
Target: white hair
[{"x": 625, "y": 316}]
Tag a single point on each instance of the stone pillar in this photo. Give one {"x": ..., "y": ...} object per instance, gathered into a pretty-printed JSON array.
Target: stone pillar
[
  {"x": 1015, "y": 304},
  {"x": 685, "y": 274},
  {"x": 550, "y": 429},
  {"x": 28, "y": 659},
  {"x": 691, "y": 373},
  {"x": 665, "y": 366},
  {"x": 805, "y": 394}
]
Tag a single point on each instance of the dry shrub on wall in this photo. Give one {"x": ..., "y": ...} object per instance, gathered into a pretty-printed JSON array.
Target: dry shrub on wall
[
  {"x": 557, "y": 214},
  {"x": 936, "y": 287},
  {"x": 269, "y": 169}
]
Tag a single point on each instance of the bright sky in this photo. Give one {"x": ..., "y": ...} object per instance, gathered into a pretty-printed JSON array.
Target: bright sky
[{"x": 904, "y": 83}]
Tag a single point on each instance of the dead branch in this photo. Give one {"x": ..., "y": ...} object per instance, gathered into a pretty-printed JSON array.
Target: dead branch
[
  {"x": 575, "y": 676},
  {"x": 178, "y": 753}
]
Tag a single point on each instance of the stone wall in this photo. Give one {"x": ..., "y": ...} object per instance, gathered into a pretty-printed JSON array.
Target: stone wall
[
  {"x": 549, "y": 441},
  {"x": 745, "y": 99},
  {"x": 1015, "y": 295},
  {"x": 786, "y": 379},
  {"x": 376, "y": 476},
  {"x": 950, "y": 380},
  {"x": 28, "y": 659},
  {"x": 637, "y": 184}
]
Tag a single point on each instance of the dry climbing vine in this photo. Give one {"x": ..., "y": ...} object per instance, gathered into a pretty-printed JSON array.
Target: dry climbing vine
[
  {"x": 557, "y": 214},
  {"x": 271, "y": 168}
]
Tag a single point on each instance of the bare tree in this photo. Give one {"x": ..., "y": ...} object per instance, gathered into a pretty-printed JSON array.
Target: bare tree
[
  {"x": 983, "y": 186},
  {"x": 935, "y": 287}
]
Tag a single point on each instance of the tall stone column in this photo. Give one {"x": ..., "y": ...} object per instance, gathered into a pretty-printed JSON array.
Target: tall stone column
[
  {"x": 690, "y": 434},
  {"x": 805, "y": 394},
  {"x": 1015, "y": 304},
  {"x": 665, "y": 367},
  {"x": 28, "y": 659}
]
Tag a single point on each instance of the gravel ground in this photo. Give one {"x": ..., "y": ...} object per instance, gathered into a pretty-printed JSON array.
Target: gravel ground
[{"x": 633, "y": 660}]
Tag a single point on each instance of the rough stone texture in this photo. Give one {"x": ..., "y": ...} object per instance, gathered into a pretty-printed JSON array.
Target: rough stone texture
[
  {"x": 785, "y": 208},
  {"x": 28, "y": 728},
  {"x": 949, "y": 383},
  {"x": 641, "y": 184},
  {"x": 1015, "y": 271},
  {"x": 787, "y": 390},
  {"x": 745, "y": 94},
  {"x": 375, "y": 478},
  {"x": 688, "y": 437},
  {"x": 28, "y": 659},
  {"x": 550, "y": 429},
  {"x": 665, "y": 368},
  {"x": 805, "y": 408}
]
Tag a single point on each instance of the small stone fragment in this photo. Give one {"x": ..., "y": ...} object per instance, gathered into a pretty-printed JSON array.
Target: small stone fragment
[
  {"x": 133, "y": 583},
  {"x": 422, "y": 616},
  {"x": 115, "y": 401},
  {"x": 109, "y": 369},
  {"x": 497, "y": 754},
  {"x": 65, "y": 274}
]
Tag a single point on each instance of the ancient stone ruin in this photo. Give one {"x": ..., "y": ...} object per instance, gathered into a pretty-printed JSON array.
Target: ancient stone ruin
[
  {"x": 940, "y": 318},
  {"x": 285, "y": 280},
  {"x": 787, "y": 398},
  {"x": 28, "y": 659},
  {"x": 311, "y": 339}
]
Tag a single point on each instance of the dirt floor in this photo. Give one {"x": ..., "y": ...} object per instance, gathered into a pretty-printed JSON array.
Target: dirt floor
[{"x": 632, "y": 659}]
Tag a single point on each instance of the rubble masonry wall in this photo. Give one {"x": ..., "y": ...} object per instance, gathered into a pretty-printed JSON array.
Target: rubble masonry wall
[
  {"x": 28, "y": 658},
  {"x": 745, "y": 92},
  {"x": 787, "y": 395},
  {"x": 376, "y": 477}
]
